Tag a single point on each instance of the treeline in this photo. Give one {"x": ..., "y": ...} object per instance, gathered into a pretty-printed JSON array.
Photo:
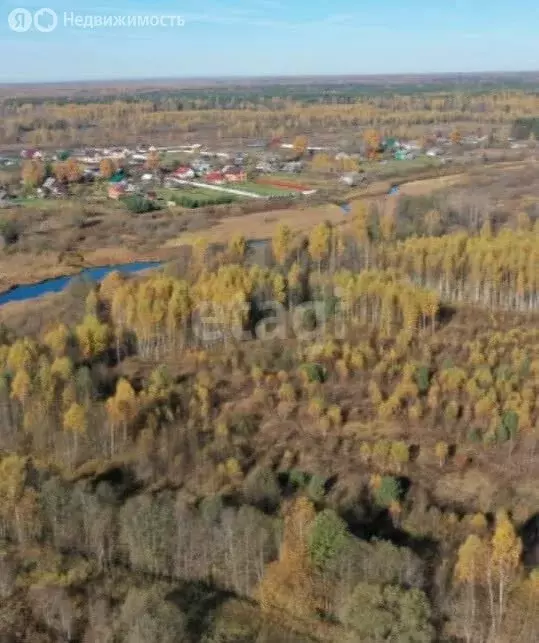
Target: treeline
[
  {"x": 318, "y": 565},
  {"x": 525, "y": 128},
  {"x": 54, "y": 123},
  {"x": 497, "y": 269},
  {"x": 303, "y": 563}
]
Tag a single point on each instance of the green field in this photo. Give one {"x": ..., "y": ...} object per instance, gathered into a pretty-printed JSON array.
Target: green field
[
  {"x": 263, "y": 190},
  {"x": 205, "y": 196},
  {"x": 394, "y": 168}
]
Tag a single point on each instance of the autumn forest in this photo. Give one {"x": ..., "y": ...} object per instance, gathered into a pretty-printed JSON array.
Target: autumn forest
[
  {"x": 327, "y": 433},
  {"x": 357, "y": 469}
]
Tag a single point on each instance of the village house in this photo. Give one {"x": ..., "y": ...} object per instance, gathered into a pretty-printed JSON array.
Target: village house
[
  {"x": 117, "y": 190},
  {"x": 89, "y": 156},
  {"x": 184, "y": 173},
  {"x": 31, "y": 153},
  {"x": 91, "y": 172},
  {"x": 217, "y": 178},
  {"x": 235, "y": 174},
  {"x": 351, "y": 178},
  {"x": 52, "y": 187},
  {"x": 265, "y": 167},
  {"x": 200, "y": 167},
  {"x": 292, "y": 167}
]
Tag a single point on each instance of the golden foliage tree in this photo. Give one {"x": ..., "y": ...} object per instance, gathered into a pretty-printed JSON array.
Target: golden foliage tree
[
  {"x": 372, "y": 141},
  {"x": 33, "y": 173},
  {"x": 75, "y": 423},
  {"x": 93, "y": 337},
  {"x": 506, "y": 549},
  {"x": 237, "y": 248},
  {"x": 300, "y": 145},
  {"x": 107, "y": 167},
  {"x": 57, "y": 339},
  {"x": 492, "y": 564},
  {"x": 153, "y": 160},
  {"x": 281, "y": 243},
  {"x": 288, "y": 582},
  {"x": 73, "y": 170},
  {"x": 320, "y": 243},
  {"x": 122, "y": 409}
]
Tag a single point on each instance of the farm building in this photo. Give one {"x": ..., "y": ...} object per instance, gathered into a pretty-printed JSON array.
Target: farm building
[
  {"x": 184, "y": 173},
  {"x": 235, "y": 175},
  {"x": 116, "y": 190},
  {"x": 215, "y": 177}
]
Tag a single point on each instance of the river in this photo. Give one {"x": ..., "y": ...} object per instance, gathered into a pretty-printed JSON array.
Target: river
[{"x": 58, "y": 284}]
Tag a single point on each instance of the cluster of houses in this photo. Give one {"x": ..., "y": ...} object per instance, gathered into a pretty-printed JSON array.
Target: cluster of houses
[
  {"x": 199, "y": 163},
  {"x": 228, "y": 174}
]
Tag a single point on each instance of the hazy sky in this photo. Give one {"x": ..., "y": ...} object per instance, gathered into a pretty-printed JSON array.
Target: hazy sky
[{"x": 274, "y": 37}]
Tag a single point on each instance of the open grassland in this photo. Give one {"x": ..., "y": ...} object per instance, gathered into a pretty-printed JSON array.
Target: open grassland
[
  {"x": 262, "y": 225},
  {"x": 302, "y": 218},
  {"x": 264, "y": 189},
  {"x": 193, "y": 192}
]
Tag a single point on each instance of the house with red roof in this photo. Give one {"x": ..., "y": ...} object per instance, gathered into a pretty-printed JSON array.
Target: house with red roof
[
  {"x": 235, "y": 174},
  {"x": 184, "y": 173},
  {"x": 216, "y": 177},
  {"x": 31, "y": 154},
  {"x": 116, "y": 190}
]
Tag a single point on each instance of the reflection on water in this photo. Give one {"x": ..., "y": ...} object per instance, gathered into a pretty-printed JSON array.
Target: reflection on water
[{"x": 58, "y": 284}]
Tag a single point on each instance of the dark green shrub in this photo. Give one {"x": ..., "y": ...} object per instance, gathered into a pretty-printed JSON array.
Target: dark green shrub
[
  {"x": 388, "y": 491},
  {"x": 390, "y": 613},
  {"x": 314, "y": 372},
  {"x": 298, "y": 478},
  {"x": 211, "y": 508},
  {"x": 139, "y": 204},
  {"x": 262, "y": 489},
  {"x": 10, "y": 231},
  {"x": 508, "y": 428},
  {"x": 475, "y": 435},
  {"x": 316, "y": 489},
  {"x": 201, "y": 202},
  {"x": 422, "y": 379},
  {"x": 327, "y": 538}
]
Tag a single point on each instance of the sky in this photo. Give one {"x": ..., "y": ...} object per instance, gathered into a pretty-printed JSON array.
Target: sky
[{"x": 272, "y": 37}]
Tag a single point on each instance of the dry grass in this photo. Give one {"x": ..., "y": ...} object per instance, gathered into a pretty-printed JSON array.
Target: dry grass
[
  {"x": 54, "y": 244},
  {"x": 262, "y": 225}
]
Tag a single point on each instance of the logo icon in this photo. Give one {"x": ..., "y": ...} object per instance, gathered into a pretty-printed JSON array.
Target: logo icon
[
  {"x": 45, "y": 20},
  {"x": 20, "y": 20}
]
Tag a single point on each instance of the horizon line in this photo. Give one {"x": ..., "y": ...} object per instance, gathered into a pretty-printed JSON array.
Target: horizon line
[{"x": 284, "y": 76}]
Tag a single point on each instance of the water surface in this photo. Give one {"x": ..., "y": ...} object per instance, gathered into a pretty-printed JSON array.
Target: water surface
[{"x": 58, "y": 284}]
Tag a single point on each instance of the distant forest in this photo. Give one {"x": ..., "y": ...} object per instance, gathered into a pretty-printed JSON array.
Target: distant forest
[
  {"x": 217, "y": 93},
  {"x": 526, "y": 127}
]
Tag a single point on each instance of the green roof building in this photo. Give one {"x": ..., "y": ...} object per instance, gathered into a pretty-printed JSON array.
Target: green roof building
[{"x": 117, "y": 177}]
